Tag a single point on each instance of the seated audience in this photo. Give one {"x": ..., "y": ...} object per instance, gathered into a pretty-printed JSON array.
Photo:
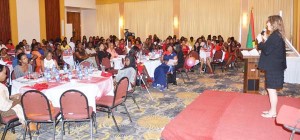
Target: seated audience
[
  {"x": 65, "y": 46},
  {"x": 160, "y": 75},
  {"x": 128, "y": 71},
  {"x": 2, "y": 45},
  {"x": 180, "y": 56},
  {"x": 49, "y": 62},
  {"x": 171, "y": 55},
  {"x": 39, "y": 57},
  {"x": 10, "y": 46},
  {"x": 80, "y": 54},
  {"x": 90, "y": 49},
  {"x": 20, "y": 49},
  {"x": 112, "y": 50},
  {"x": 72, "y": 44},
  {"x": 102, "y": 53},
  {"x": 185, "y": 48},
  {"x": 10, "y": 105},
  {"x": 23, "y": 68},
  {"x": 4, "y": 56}
]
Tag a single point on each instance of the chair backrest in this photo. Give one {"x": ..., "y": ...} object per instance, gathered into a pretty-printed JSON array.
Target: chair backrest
[
  {"x": 106, "y": 63},
  {"x": 194, "y": 54},
  {"x": 121, "y": 91},
  {"x": 12, "y": 75},
  {"x": 185, "y": 65},
  {"x": 119, "y": 51},
  {"x": 85, "y": 64},
  {"x": 74, "y": 101},
  {"x": 218, "y": 56},
  {"x": 34, "y": 103}
]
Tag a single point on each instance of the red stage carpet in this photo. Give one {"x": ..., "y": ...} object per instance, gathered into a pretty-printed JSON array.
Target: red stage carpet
[{"x": 216, "y": 115}]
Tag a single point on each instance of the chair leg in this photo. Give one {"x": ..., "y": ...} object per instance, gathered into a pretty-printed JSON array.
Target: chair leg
[
  {"x": 91, "y": 127},
  {"x": 69, "y": 127},
  {"x": 292, "y": 135},
  {"x": 62, "y": 129},
  {"x": 37, "y": 128},
  {"x": 5, "y": 131},
  {"x": 187, "y": 75},
  {"x": 133, "y": 98},
  {"x": 182, "y": 77},
  {"x": 13, "y": 130},
  {"x": 127, "y": 112},
  {"x": 29, "y": 132},
  {"x": 54, "y": 129},
  {"x": 113, "y": 116},
  {"x": 25, "y": 131},
  {"x": 95, "y": 121}
]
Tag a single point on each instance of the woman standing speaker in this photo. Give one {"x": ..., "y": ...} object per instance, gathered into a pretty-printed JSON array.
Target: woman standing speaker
[{"x": 272, "y": 60}]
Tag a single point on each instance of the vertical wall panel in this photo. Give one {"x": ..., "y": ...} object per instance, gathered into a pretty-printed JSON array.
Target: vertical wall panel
[
  {"x": 5, "y": 32},
  {"x": 28, "y": 20},
  {"x": 52, "y": 19}
]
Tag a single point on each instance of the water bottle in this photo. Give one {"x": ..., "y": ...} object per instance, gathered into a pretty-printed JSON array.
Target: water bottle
[
  {"x": 57, "y": 77},
  {"x": 91, "y": 69},
  {"x": 80, "y": 75},
  {"x": 86, "y": 72},
  {"x": 48, "y": 76},
  {"x": 65, "y": 68},
  {"x": 70, "y": 75}
]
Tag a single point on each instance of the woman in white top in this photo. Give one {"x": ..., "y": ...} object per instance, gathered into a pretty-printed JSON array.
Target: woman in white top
[
  {"x": 10, "y": 105},
  {"x": 204, "y": 59},
  {"x": 48, "y": 62}
]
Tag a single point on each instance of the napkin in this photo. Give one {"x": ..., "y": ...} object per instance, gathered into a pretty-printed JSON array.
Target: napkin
[
  {"x": 8, "y": 62},
  {"x": 106, "y": 74},
  {"x": 41, "y": 86}
]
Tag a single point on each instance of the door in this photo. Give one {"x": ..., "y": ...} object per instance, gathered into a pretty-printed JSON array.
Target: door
[{"x": 74, "y": 19}]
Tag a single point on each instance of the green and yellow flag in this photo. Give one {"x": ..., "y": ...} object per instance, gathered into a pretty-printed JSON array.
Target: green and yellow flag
[{"x": 251, "y": 33}]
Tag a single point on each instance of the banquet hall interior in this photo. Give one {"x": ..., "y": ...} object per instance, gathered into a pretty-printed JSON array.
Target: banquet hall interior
[{"x": 82, "y": 50}]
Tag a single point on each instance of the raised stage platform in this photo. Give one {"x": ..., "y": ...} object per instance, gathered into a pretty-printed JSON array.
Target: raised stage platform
[{"x": 216, "y": 115}]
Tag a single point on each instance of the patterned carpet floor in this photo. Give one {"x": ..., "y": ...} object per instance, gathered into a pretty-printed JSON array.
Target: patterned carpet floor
[{"x": 153, "y": 115}]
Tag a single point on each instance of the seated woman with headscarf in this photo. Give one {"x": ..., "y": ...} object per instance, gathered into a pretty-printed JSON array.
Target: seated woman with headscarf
[{"x": 128, "y": 71}]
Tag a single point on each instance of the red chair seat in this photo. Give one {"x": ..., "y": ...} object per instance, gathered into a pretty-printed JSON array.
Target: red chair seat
[
  {"x": 71, "y": 116},
  {"x": 7, "y": 119},
  {"x": 107, "y": 101},
  {"x": 44, "y": 117}
]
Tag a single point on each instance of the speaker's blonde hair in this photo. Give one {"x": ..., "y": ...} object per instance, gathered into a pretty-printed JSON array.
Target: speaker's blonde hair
[{"x": 277, "y": 24}]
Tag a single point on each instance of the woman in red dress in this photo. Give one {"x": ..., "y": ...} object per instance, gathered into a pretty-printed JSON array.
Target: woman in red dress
[{"x": 185, "y": 48}]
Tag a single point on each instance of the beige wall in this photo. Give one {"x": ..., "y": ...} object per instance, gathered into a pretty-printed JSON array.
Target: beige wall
[
  {"x": 28, "y": 20},
  {"x": 89, "y": 4},
  {"x": 89, "y": 23}
]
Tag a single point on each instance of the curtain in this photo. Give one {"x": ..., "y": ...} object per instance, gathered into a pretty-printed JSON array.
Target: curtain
[
  {"x": 5, "y": 21},
  {"x": 262, "y": 9},
  {"x": 108, "y": 19},
  {"x": 149, "y": 17},
  {"x": 215, "y": 17}
]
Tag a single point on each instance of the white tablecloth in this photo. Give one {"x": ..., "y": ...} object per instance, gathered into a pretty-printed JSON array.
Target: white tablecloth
[
  {"x": 91, "y": 90},
  {"x": 69, "y": 60},
  {"x": 292, "y": 74},
  {"x": 151, "y": 65}
]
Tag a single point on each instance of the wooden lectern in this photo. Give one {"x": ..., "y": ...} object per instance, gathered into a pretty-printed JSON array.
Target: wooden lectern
[{"x": 251, "y": 74}]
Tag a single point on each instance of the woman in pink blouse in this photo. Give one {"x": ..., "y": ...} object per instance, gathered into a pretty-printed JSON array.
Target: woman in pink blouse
[{"x": 112, "y": 50}]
